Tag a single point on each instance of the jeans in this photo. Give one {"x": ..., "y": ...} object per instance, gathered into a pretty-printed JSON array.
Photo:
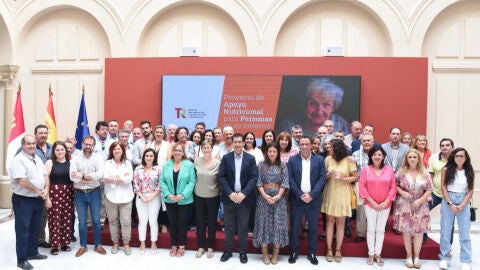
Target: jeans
[
  {"x": 28, "y": 221},
  {"x": 436, "y": 201},
  {"x": 83, "y": 202},
  {"x": 446, "y": 227}
]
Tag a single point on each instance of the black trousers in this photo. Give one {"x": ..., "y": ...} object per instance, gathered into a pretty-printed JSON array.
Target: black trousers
[
  {"x": 206, "y": 210},
  {"x": 236, "y": 216},
  {"x": 178, "y": 216}
]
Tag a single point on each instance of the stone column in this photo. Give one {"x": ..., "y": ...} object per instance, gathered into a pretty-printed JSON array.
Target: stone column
[{"x": 7, "y": 73}]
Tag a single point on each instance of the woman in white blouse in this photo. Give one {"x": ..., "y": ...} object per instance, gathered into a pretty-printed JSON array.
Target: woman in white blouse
[{"x": 118, "y": 176}]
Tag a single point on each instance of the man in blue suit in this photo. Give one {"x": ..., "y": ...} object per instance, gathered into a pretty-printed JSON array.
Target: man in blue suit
[
  {"x": 306, "y": 177},
  {"x": 238, "y": 176}
]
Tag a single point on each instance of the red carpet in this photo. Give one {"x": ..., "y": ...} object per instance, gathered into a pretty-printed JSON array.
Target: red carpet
[{"x": 392, "y": 247}]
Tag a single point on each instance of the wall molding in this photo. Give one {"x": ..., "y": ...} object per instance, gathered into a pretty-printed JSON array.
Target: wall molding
[
  {"x": 67, "y": 69},
  {"x": 456, "y": 67}
]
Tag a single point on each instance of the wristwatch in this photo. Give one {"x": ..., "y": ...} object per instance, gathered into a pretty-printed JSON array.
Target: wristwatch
[{"x": 449, "y": 203}]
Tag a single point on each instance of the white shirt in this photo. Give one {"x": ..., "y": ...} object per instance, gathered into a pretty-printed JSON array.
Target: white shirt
[
  {"x": 119, "y": 193},
  {"x": 29, "y": 167},
  {"x": 305, "y": 185},
  {"x": 238, "y": 168},
  {"x": 459, "y": 184},
  {"x": 92, "y": 166}
]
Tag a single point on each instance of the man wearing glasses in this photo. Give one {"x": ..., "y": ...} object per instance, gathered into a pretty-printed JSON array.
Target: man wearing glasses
[{"x": 86, "y": 172}]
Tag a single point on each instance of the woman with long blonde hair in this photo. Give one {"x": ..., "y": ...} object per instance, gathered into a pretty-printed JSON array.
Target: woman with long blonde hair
[{"x": 412, "y": 216}]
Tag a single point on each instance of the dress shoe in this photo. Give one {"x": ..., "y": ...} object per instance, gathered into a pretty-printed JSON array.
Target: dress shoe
[
  {"x": 358, "y": 239},
  {"x": 44, "y": 244},
  {"x": 100, "y": 250},
  {"x": 226, "y": 256},
  {"x": 312, "y": 258},
  {"x": 243, "y": 258},
  {"x": 24, "y": 265},
  {"x": 37, "y": 256},
  {"x": 81, "y": 251},
  {"x": 348, "y": 233},
  {"x": 293, "y": 257}
]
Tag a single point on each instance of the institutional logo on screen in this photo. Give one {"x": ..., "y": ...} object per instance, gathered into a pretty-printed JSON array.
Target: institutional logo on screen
[
  {"x": 181, "y": 112},
  {"x": 189, "y": 113}
]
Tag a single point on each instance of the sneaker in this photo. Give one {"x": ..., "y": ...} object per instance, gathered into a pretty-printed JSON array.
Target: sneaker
[
  {"x": 443, "y": 265},
  {"x": 466, "y": 266}
]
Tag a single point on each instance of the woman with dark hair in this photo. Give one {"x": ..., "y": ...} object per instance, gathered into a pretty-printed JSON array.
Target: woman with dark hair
[
  {"x": 271, "y": 218},
  {"x": 181, "y": 136},
  {"x": 177, "y": 182},
  {"x": 195, "y": 138},
  {"x": 206, "y": 198},
  {"x": 284, "y": 141},
  {"x": 337, "y": 195},
  {"x": 267, "y": 138},
  {"x": 378, "y": 187},
  {"x": 458, "y": 179},
  {"x": 251, "y": 147},
  {"x": 118, "y": 175},
  {"x": 412, "y": 216},
  {"x": 146, "y": 184},
  {"x": 60, "y": 199}
]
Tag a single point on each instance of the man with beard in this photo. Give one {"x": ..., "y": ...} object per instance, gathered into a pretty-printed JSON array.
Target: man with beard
[
  {"x": 113, "y": 130},
  {"x": 102, "y": 142},
  {"x": 143, "y": 143},
  {"x": 86, "y": 172},
  {"x": 307, "y": 177}
]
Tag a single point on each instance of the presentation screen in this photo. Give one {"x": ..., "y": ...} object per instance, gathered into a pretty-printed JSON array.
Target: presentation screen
[{"x": 258, "y": 102}]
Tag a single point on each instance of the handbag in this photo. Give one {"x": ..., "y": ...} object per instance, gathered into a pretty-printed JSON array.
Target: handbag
[
  {"x": 473, "y": 213},
  {"x": 353, "y": 197}
]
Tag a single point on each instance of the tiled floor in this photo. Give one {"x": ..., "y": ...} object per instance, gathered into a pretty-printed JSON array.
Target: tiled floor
[{"x": 161, "y": 260}]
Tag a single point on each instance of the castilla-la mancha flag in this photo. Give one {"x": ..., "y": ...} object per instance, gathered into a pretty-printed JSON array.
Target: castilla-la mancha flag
[
  {"x": 17, "y": 130},
  {"x": 50, "y": 119}
]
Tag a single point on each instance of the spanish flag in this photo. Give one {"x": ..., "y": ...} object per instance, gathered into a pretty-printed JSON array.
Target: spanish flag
[
  {"x": 50, "y": 119},
  {"x": 17, "y": 130}
]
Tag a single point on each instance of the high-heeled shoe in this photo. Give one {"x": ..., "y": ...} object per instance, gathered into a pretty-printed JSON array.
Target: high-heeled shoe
[
  {"x": 379, "y": 260},
  {"x": 409, "y": 263},
  {"x": 181, "y": 251},
  {"x": 210, "y": 253},
  {"x": 173, "y": 251},
  {"x": 329, "y": 256},
  {"x": 338, "y": 256},
  {"x": 200, "y": 252}
]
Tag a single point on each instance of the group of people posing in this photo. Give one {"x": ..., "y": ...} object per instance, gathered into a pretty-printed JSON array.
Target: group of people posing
[{"x": 168, "y": 176}]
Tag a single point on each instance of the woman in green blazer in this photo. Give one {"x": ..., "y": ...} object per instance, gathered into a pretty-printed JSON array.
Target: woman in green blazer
[{"x": 177, "y": 183}]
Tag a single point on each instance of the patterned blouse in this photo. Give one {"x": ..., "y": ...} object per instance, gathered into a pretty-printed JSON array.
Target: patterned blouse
[{"x": 144, "y": 181}]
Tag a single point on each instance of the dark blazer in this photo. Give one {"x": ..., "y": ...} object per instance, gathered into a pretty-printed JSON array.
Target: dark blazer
[
  {"x": 317, "y": 179},
  {"x": 248, "y": 178}
]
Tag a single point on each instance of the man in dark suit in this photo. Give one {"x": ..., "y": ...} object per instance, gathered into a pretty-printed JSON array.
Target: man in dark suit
[
  {"x": 307, "y": 178},
  {"x": 238, "y": 177}
]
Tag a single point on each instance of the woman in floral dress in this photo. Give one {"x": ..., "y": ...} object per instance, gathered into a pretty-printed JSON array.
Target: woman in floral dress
[{"x": 412, "y": 216}]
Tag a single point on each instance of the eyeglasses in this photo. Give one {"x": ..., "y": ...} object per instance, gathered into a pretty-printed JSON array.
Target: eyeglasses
[{"x": 459, "y": 156}]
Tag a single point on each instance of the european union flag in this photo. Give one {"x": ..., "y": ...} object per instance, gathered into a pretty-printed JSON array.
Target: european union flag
[{"x": 82, "y": 123}]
